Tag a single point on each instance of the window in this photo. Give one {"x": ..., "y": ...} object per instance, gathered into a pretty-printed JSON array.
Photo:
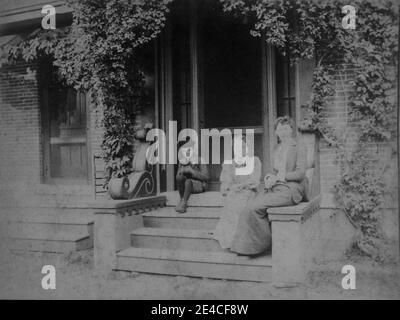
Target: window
[{"x": 285, "y": 87}]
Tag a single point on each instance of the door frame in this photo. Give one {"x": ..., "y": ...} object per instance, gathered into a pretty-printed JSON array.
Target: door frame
[
  {"x": 268, "y": 104},
  {"x": 164, "y": 102},
  {"x": 164, "y": 84}
]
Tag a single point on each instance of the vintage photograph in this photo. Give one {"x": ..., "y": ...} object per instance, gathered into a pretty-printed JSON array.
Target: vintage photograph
[{"x": 199, "y": 150}]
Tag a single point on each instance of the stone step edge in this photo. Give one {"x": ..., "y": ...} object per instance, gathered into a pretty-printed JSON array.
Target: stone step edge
[
  {"x": 211, "y": 199},
  {"x": 187, "y": 215},
  {"x": 55, "y": 221},
  {"x": 194, "y": 205},
  {"x": 41, "y": 237},
  {"x": 194, "y": 256},
  {"x": 173, "y": 233}
]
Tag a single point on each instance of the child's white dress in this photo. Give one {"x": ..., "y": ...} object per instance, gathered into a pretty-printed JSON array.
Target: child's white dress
[{"x": 240, "y": 189}]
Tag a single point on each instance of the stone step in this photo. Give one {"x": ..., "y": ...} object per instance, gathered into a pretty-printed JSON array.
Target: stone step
[
  {"x": 174, "y": 239},
  {"x": 49, "y": 201},
  {"x": 205, "y": 199},
  {"x": 31, "y": 233},
  {"x": 47, "y": 227},
  {"x": 32, "y": 240},
  {"x": 49, "y": 245},
  {"x": 219, "y": 265},
  {"x": 195, "y": 218},
  {"x": 47, "y": 215}
]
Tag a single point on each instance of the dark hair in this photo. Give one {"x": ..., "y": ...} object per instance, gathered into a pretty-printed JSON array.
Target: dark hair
[{"x": 284, "y": 120}]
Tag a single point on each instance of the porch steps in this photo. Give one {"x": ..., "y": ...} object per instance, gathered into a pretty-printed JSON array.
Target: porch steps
[
  {"x": 175, "y": 239},
  {"x": 182, "y": 244},
  {"x": 195, "y": 218},
  {"x": 56, "y": 243},
  {"x": 218, "y": 265},
  {"x": 208, "y": 199},
  {"x": 46, "y": 229}
]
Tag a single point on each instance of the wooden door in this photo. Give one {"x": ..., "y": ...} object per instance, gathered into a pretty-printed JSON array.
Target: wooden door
[{"x": 65, "y": 124}]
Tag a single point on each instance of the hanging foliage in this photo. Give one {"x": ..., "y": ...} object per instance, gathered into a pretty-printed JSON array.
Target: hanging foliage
[{"x": 98, "y": 53}]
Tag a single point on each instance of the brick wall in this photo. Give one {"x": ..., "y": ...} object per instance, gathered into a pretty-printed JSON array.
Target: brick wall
[
  {"x": 337, "y": 114},
  {"x": 20, "y": 145},
  {"x": 21, "y": 152}
]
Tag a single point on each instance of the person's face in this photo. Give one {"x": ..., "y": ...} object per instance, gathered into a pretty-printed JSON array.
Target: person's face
[
  {"x": 188, "y": 154},
  {"x": 240, "y": 149},
  {"x": 284, "y": 131}
]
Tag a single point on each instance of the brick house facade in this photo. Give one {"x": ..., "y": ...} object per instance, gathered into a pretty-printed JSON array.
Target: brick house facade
[{"x": 22, "y": 144}]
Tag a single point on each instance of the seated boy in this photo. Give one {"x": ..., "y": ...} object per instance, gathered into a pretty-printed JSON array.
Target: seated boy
[{"x": 192, "y": 176}]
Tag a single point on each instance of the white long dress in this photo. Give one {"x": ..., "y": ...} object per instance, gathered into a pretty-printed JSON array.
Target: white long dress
[{"x": 240, "y": 189}]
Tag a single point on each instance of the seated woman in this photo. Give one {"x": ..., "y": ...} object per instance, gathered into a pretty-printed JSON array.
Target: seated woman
[
  {"x": 192, "y": 177},
  {"x": 283, "y": 187},
  {"x": 238, "y": 191}
]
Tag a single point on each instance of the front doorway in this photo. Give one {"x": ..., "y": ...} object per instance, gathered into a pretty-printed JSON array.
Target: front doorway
[
  {"x": 214, "y": 74},
  {"x": 231, "y": 71}
]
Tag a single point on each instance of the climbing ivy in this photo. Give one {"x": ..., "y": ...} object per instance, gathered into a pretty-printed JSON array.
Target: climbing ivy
[
  {"x": 313, "y": 29},
  {"x": 98, "y": 54}
]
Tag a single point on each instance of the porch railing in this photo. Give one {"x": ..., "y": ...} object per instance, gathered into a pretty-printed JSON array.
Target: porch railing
[{"x": 98, "y": 177}]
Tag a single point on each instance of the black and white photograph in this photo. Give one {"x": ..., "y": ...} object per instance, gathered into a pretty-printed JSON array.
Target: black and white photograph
[{"x": 181, "y": 150}]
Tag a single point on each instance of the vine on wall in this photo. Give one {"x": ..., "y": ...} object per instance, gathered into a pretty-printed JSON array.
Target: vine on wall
[
  {"x": 98, "y": 53},
  {"x": 313, "y": 29}
]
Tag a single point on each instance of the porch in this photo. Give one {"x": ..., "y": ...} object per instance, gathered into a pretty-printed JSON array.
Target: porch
[
  {"x": 164, "y": 242},
  {"x": 204, "y": 71}
]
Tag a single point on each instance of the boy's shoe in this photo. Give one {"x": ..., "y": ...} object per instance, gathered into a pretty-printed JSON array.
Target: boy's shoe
[{"x": 181, "y": 207}]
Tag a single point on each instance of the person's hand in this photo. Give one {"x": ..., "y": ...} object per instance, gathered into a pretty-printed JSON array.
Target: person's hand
[
  {"x": 237, "y": 187},
  {"x": 224, "y": 190},
  {"x": 267, "y": 176},
  {"x": 281, "y": 176},
  {"x": 270, "y": 180}
]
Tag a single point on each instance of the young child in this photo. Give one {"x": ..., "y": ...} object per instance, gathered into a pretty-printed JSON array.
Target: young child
[
  {"x": 237, "y": 192},
  {"x": 191, "y": 177}
]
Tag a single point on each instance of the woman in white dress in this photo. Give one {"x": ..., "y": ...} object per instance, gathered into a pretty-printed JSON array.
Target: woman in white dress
[{"x": 237, "y": 191}]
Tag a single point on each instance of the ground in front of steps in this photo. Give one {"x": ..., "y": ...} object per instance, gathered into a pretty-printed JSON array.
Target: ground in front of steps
[{"x": 21, "y": 277}]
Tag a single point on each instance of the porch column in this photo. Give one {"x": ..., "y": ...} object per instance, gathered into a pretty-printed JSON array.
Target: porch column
[
  {"x": 291, "y": 230},
  {"x": 194, "y": 55}
]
